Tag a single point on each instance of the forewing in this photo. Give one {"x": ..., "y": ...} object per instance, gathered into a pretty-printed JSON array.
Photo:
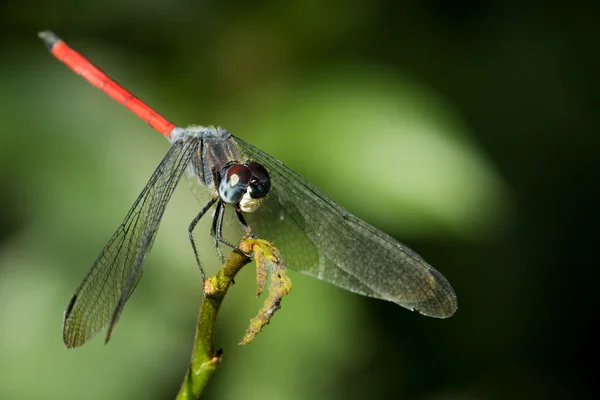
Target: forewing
[
  {"x": 318, "y": 237},
  {"x": 102, "y": 294}
]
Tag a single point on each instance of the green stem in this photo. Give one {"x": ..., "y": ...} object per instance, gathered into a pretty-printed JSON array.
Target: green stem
[{"x": 205, "y": 359}]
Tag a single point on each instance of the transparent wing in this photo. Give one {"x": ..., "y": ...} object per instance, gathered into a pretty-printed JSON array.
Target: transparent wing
[
  {"x": 102, "y": 294},
  {"x": 317, "y": 237}
]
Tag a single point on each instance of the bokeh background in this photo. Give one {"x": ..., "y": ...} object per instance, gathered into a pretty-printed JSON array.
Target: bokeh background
[{"x": 467, "y": 130}]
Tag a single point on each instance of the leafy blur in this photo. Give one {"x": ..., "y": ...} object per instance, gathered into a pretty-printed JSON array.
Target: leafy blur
[{"x": 464, "y": 129}]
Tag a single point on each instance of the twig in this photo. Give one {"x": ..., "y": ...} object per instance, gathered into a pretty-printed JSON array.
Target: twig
[{"x": 205, "y": 359}]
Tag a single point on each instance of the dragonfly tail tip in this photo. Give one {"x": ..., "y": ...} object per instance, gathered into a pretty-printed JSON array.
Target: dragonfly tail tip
[{"x": 49, "y": 38}]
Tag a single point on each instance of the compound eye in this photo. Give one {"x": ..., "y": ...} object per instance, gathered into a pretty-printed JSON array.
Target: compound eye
[
  {"x": 234, "y": 182},
  {"x": 260, "y": 184}
]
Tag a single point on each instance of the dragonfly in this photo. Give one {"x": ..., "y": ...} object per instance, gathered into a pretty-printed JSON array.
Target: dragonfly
[{"x": 315, "y": 235}]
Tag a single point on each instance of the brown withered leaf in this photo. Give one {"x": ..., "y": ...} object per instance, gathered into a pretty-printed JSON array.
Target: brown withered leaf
[{"x": 267, "y": 259}]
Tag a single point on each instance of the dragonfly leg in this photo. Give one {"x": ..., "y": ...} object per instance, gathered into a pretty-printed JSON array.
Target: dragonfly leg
[
  {"x": 215, "y": 230},
  {"x": 243, "y": 222},
  {"x": 193, "y": 224}
]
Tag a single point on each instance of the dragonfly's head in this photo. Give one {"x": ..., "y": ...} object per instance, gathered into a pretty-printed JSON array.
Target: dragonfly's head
[{"x": 245, "y": 184}]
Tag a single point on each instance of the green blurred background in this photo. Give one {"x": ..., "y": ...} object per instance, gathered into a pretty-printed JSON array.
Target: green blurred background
[{"x": 465, "y": 129}]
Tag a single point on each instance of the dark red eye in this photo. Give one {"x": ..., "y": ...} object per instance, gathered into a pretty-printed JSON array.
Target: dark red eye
[
  {"x": 260, "y": 184},
  {"x": 258, "y": 170},
  {"x": 238, "y": 174},
  {"x": 234, "y": 182}
]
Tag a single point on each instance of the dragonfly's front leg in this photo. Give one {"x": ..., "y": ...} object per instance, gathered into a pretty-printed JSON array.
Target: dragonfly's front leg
[{"x": 193, "y": 224}]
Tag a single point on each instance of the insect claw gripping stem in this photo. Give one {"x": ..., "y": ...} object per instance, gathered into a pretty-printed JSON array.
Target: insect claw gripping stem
[{"x": 83, "y": 67}]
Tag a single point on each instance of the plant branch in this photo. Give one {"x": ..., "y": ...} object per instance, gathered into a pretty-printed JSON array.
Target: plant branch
[{"x": 205, "y": 358}]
